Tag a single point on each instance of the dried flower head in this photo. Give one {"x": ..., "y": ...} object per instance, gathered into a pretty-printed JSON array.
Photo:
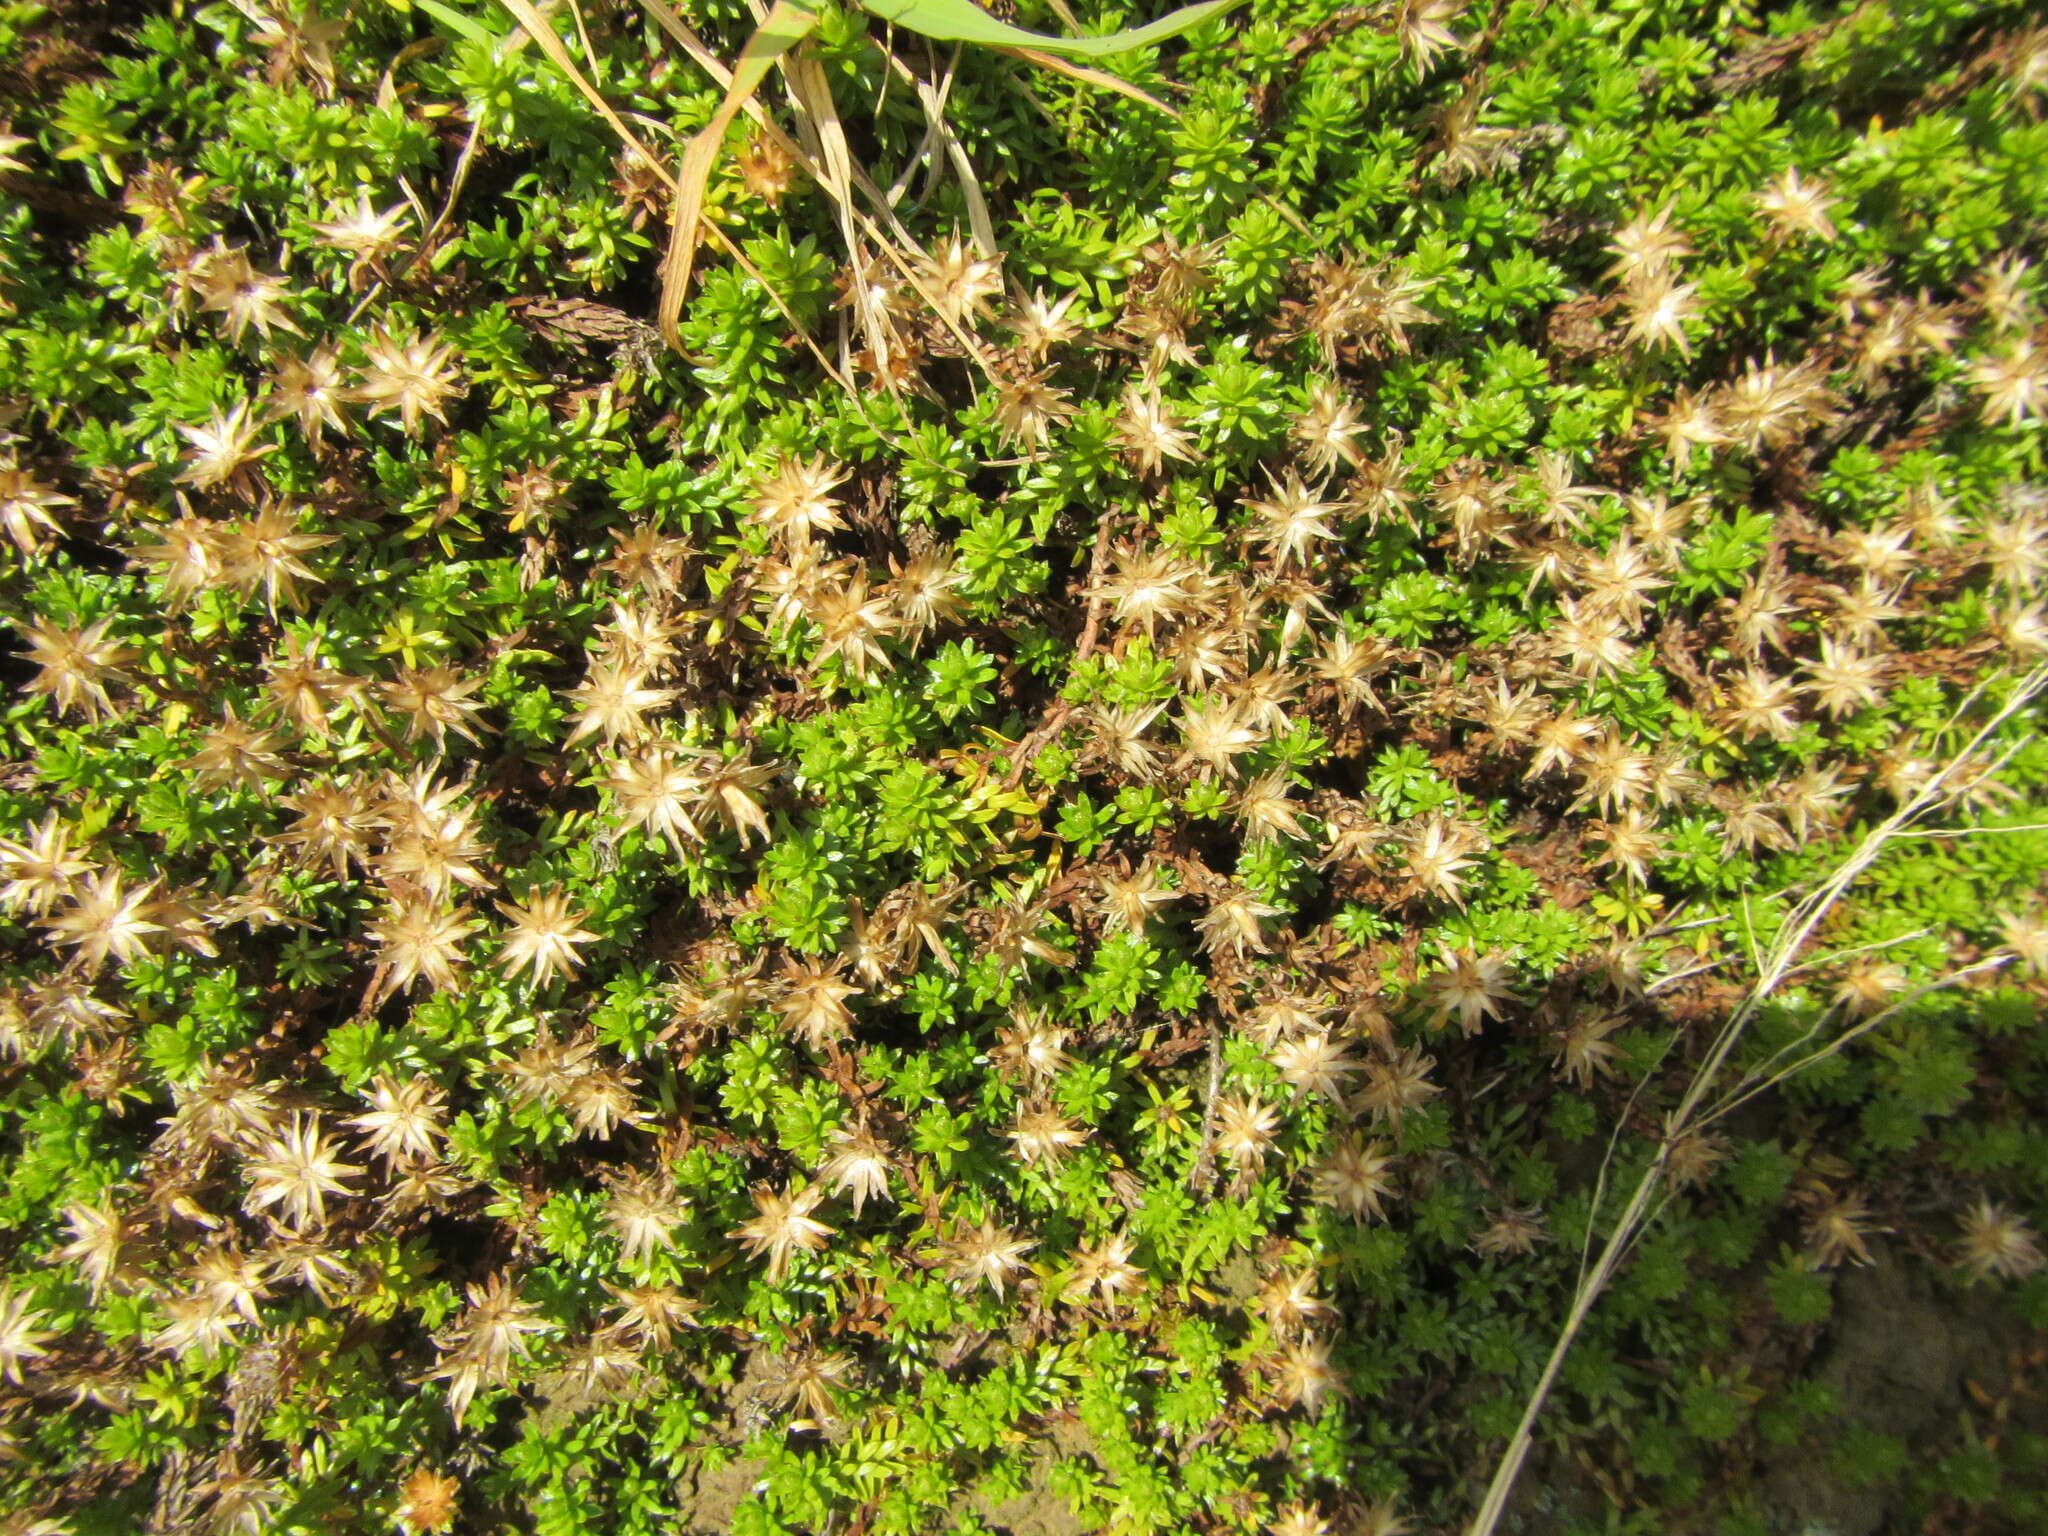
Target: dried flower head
[
  {"x": 1659, "y": 309},
  {"x": 1514, "y": 1233},
  {"x": 106, "y": 1243},
  {"x": 1150, "y": 433},
  {"x": 644, "y": 1212},
  {"x": 1102, "y": 1270},
  {"x": 794, "y": 500},
  {"x": 74, "y": 666},
  {"x": 1044, "y": 1135},
  {"x": 544, "y": 936},
  {"x": 1585, "y": 1051},
  {"x": 810, "y": 1379},
  {"x": 858, "y": 1167},
  {"x": 1289, "y": 1303},
  {"x": 406, "y": 1120},
  {"x": 1355, "y": 1177},
  {"x": 224, "y": 451},
  {"x": 783, "y": 1226},
  {"x": 428, "y": 1502},
  {"x": 1470, "y": 988},
  {"x": 106, "y": 921},
  {"x": 227, "y": 284},
  {"x": 1315, "y": 1063},
  {"x": 366, "y": 233},
  {"x": 985, "y": 1254},
  {"x": 1837, "y": 1229},
  {"x": 1029, "y": 407},
  {"x": 412, "y": 375},
  {"x": 481, "y": 1349},
  {"x": 1041, "y": 325},
  {"x": 1302, "y": 1374},
  {"x": 21, "y": 1337},
  {"x": 958, "y": 282},
  {"x": 1647, "y": 245},
  {"x": 813, "y": 1004},
  {"x": 296, "y": 1172},
  {"x": 434, "y": 701},
  {"x": 1998, "y": 1244},
  {"x": 417, "y": 940},
  {"x": 766, "y": 168},
  {"x": 1298, "y": 1519},
  {"x": 1798, "y": 207},
  {"x": 25, "y": 507},
  {"x": 1397, "y": 1082}
]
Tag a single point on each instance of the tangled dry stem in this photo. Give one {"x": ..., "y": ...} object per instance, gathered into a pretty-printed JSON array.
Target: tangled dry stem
[{"x": 1774, "y": 965}]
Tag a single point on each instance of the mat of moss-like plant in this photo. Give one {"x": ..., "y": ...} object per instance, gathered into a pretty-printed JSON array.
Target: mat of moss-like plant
[{"x": 1175, "y": 774}]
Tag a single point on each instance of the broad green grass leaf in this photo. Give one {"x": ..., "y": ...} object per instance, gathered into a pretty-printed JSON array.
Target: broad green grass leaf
[
  {"x": 459, "y": 24},
  {"x": 962, "y": 21}
]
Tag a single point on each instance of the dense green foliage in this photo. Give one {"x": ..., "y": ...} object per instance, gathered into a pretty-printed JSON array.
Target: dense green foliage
[{"x": 1044, "y": 889}]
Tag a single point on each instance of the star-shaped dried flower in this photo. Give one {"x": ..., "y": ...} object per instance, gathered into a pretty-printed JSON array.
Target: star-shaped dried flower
[
  {"x": 783, "y": 1226},
  {"x": 543, "y": 936},
  {"x": 297, "y": 1171}
]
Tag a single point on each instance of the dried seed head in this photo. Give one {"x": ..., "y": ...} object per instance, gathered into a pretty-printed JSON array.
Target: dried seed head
[
  {"x": 1044, "y": 1135},
  {"x": 1292, "y": 521},
  {"x": 74, "y": 666},
  {"x": 1470, "y": 988},
  {"x": 365, "y": 233},
  {"x": 767, "y": 170},
  {"x": 481, "y": 1349},
  {"x": 1798, "y": 207},
  {"x": 427, "y": 1502},
  {"x": 1647, "y": 246},
  {"x": 1998, "y": 1244},
  {"x": 1585, "y": 1052},
  {"x": 813, "y": 1002},
  {"x": 1315, "y": 1063},
  {"x": 405, "y": 1121},
  {"x": 21, "y": 1337},
  {"x": 105, "y": 921},
  {"x": 794, "y": 500},
  {"x": 644, "y": 1213},
  {"x": 1040, "y": 325},
  {"x": 858, "y": 1167},
  {"x": 544, "y": 937},
  {"x": 224, "y": 282},
  {"x": 296, "y": 1172},
  {"x": 1103, "y": 1270},
  {"x": 1659, "y": 309},
  {"x": 1149, "y": 433},
  {"x": 414, "y": 376},
  {"x": 958, "y": 282},
  {"x": 1245, "y": 1131},
  {"x": 1029, "y": 407},
  {"x": 418, "y": 940},
  {"x": 25, "y": 507},
  {"x": 1302, "y": 1374},
  {"x": 1514, "y": 1233},
  {"x": 224, "y": 451},
  {"x": 986, "y": 1254},
  {"x": 1839, "y": 1229},
  {"x": 1355, "y": 1177},
  {"x": 783, "y": 1226}
]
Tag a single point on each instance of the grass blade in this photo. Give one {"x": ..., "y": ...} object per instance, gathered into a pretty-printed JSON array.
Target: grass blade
[
  {"x": 459, "y": 24},
  {"x": 962, "y": 21},
  {"x": 812, "y": 94},
  {"x": 1101, "y": 79},
  {"x": 786, "y": 26},
  {"x": 537, "y": 28}
]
